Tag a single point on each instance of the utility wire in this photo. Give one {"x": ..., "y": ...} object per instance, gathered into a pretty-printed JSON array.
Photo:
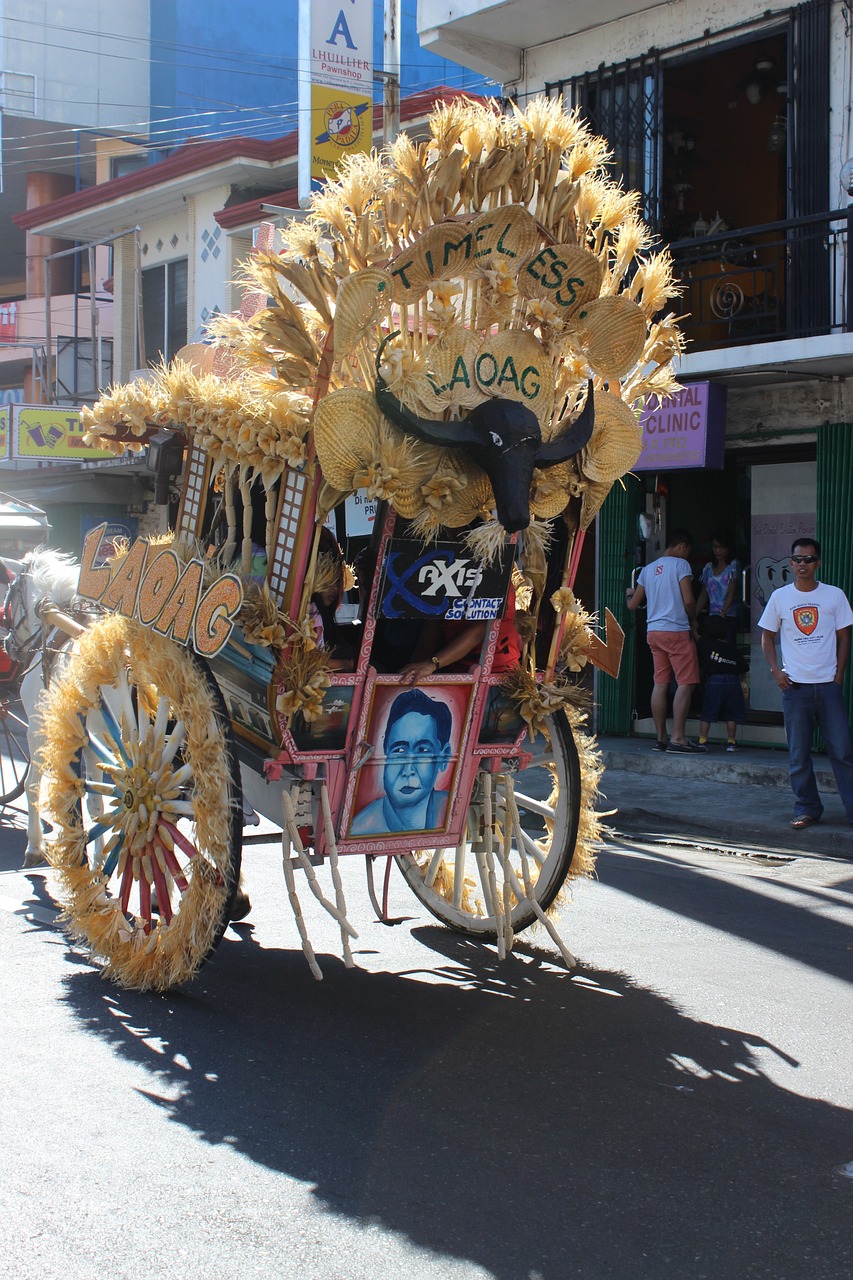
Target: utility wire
[{"x": 254, "y": 123}]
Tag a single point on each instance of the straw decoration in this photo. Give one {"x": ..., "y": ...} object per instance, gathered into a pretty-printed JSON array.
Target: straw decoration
[
  {"x": 499, "y": 229},
  {"x": 135, "y": 950}
]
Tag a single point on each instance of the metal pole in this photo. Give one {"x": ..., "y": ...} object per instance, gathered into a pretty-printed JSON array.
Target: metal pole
[
  {"x": 138, "y": 330},
  {"x": 391, "y": 77},
  {"x": 93, "y": 324},
  {"x": 48, "y": 332},
  {"x": 848, "y": 318}
]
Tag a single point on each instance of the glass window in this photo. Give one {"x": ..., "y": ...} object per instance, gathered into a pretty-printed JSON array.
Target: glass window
[{"x": 164, "y": 310}]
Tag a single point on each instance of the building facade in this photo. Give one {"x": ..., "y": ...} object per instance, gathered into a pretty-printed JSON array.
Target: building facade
[
  {"x": 733, "y": 121},
  {"x": 92, "y": 97},
  {"x": 177, "y": 232}
]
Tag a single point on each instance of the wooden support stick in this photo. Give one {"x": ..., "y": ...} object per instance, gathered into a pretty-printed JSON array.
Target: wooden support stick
[
  {"x": 570, "y": 960},
  {"x": 290, "y": 881},
  {"x": 335, "y": 869}
]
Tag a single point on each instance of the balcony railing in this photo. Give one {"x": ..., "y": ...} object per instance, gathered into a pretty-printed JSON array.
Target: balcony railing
[{"x": 767, "y": 283}]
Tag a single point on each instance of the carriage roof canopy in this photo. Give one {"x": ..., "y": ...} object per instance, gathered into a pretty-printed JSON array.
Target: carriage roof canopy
[{"x": 21, "y": 518}]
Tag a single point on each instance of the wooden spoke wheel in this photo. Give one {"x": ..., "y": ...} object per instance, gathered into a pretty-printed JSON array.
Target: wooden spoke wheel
[
  {"x": 537, "y": 836},
  {"x": 14, "y": 748},
  {"x": 144, "y": 789}
]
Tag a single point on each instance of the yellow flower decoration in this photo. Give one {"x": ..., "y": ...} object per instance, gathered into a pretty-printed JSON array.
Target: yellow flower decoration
[
  {"x": 440, "y": 491},
  {"x": 565, "y": 601}
]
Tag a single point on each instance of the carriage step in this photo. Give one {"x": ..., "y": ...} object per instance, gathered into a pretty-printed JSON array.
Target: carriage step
[{"x": 263, "y": 837}]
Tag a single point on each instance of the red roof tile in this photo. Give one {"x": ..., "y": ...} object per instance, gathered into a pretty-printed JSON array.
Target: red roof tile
[{"x": 196, "y": 155}]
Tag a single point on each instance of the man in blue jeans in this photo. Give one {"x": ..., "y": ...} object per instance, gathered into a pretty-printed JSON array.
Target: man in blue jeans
[{"x": 813, "y": 621}]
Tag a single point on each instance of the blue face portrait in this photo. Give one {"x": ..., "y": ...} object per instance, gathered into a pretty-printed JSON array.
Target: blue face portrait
[{"x": 414, "y": 758}]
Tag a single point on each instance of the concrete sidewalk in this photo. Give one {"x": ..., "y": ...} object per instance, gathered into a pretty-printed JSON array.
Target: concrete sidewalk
[{"x": 741, "y": 797}]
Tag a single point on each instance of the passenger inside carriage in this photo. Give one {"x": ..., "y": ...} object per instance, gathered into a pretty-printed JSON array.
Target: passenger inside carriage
[
  {"x": 455, "y": 646},
  {"x": 330, "y": 582},
  {"x": 407, "y": 640}
]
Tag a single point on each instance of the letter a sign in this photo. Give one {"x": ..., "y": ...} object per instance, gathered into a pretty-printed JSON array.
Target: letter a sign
[{"x": 335, "y": 86}]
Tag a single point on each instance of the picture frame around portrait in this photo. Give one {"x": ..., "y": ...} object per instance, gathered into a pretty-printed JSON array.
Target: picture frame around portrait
[{"x": 402, "y": 791}]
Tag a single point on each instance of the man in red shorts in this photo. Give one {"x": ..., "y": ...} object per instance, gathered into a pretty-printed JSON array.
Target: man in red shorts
[{"x": 666, "y": 587}]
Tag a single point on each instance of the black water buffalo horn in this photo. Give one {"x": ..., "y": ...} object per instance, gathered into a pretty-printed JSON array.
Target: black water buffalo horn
[{"x": 566, "y": 446}]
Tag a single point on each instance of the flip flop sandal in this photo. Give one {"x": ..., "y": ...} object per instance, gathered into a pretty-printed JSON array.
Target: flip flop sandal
[
  {"x": 803, "y": 821},
  {"x": 689, "y": 749}
]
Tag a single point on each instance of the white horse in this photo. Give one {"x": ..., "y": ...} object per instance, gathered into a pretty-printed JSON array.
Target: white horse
[{"x": 42, "y": 576}]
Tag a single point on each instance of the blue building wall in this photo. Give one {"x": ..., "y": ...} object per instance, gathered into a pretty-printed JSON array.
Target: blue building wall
[{"x": 223, "y": 68}]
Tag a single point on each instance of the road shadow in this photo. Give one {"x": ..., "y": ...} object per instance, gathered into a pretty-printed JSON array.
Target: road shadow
[
  {"x": 536, "y": 1125},
  {"x": 739, "y": 906},
  {"x": 13, "y": 838}
]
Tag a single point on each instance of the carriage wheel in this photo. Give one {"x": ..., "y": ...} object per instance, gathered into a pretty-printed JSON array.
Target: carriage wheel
[
  {"x": 455, "y": 883},
  {"x": 14, "y": 750},
  {"x": 144, "y": 789}
]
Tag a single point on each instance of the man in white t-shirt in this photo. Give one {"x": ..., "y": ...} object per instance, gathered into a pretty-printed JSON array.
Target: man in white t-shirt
[
  {"x": 813, "y": 621},
  {"x": 666, "y": 585}
]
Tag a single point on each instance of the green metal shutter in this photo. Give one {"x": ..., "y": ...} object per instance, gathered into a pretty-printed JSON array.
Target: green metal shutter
[
  {"x": 617, "y": 537},
  {"x": 834, "y": 522}
]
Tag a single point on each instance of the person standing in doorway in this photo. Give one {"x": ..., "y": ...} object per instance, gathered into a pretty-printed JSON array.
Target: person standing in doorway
[
  {"x": 666, "y": 586},
  {"x": 720, "y": 580},
  {"x": 813, "y": 621}
]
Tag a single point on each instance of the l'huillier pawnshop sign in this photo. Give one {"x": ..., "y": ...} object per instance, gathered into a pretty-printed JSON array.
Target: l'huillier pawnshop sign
[{"x": 335, "y": 86}]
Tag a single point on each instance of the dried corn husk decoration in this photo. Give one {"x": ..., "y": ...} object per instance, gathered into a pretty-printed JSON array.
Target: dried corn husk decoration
[
  {"x": 158, "y": 957},
  {"x": 509, "y": 263}
]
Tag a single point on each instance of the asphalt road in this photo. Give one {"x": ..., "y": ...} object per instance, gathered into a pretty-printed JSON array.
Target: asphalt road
[{"x": 678, "y": 1107}]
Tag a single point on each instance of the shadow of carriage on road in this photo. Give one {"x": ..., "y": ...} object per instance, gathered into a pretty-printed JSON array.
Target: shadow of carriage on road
[{"x": 530, "y": 1122}]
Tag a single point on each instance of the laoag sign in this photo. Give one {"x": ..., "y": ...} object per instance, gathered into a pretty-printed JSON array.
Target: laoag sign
[{"x": 163, "y": 593}]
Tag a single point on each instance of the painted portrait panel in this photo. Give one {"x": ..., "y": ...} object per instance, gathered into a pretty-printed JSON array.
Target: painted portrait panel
[{"x": 407, "y": 783}]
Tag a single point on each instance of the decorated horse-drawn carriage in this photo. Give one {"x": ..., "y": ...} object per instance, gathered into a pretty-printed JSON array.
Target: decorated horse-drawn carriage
[{"x": 461, "y": 332}]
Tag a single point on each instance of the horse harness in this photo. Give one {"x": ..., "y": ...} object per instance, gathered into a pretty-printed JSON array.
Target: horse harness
[{"x": 23, "y": 648}]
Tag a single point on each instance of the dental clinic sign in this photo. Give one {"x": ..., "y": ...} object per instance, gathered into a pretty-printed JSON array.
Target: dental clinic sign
[
  {"x": 688, "y": 432},
  {"x": 335, "y": 86}
]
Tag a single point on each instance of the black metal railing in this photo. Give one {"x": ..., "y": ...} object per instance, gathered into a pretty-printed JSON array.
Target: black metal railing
[{"x": 766, "y": 283}]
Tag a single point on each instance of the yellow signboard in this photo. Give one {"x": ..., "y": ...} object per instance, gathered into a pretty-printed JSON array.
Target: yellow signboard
[
  {"x": 335, "y": 43},
  {"x": 341, "y": 123},
  {"x": 4, "y": 431},
  {"x": 48, "y": 434}
]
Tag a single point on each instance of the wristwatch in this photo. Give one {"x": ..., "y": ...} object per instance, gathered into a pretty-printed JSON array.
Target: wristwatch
[{"x": 436, "y": 662}]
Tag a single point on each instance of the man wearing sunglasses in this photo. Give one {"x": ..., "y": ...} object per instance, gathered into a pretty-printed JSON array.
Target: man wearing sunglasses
[{"x": 813, "y": 621}]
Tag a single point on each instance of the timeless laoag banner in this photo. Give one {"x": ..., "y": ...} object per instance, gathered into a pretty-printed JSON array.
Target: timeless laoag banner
[
  {"x": 335, "y": 86},
  {"x": 687, "y": 432}
]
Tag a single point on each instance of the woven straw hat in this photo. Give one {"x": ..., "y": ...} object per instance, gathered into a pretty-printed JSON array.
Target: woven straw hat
[
  {"x": 447, "y": 487},
  {"x": 511, "y": 230},
  {"x": 550, "y": 491},
  {"x": 521, "y": 370},
  {"x": 412, "y": 268},
  {"x": 363, "y": 300},
  {"x": 593, "y": 500},
  {"x": 451, "y": 360},
  {"x": 456, "y": 248},
  {"x": 565, "y": 274},
  {"x": 612, "y": 335},
  {"x": 471, "y": 501},
  {"x": 346, "y": 434},
  {"x": 616, "y": 442},
  {"x": 198, "y": 355}
]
